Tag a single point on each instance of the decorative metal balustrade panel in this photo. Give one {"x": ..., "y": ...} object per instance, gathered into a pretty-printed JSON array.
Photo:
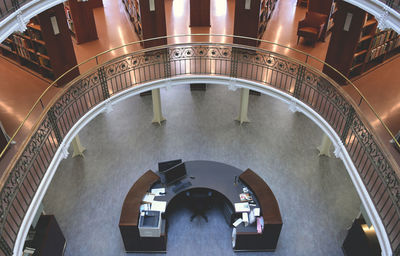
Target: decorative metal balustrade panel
[
  {"x": 9, "y": 6},
  {"x": 395, "y": 4},
  {"x": 265, "y": 68}
]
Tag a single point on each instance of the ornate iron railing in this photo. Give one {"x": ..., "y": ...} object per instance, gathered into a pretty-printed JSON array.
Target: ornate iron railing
[
  {"x": 9, "y": 6},
  {"x": 268, "y": 68},
  {"x": 395, "y": 4}
]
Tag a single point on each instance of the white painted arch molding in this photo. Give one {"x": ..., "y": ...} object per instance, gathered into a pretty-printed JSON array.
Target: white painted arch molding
[
  {"x": 294, "y": 105},
  {"x": 17, "y": 20},
  {"x": 387, "y": 17}
]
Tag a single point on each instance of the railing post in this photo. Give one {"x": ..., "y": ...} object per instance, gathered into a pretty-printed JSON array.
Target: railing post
[
  {"x": 4, "y": 246},
  {"x": 347, "y": 125},
  {"x": 299, "y": 81},
  {"x": 15, "y": 4},
  {"x": 167, "y": 64},
  {"x": 389, "y": 3},
  {"x": 53, "y": 122},
  {"x": 234, "y": 62},
  {"x": 103, "y": 82}
]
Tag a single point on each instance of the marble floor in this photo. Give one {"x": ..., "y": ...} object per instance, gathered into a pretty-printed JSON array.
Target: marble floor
[{"x": 316, "y": 196}]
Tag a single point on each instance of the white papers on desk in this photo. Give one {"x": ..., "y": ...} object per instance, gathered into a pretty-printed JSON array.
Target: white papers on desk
[
  {"x": 256, "y": 212},
  {"x": 242, "y": 207},
  {"x": 158, "y": 206},
  {"x": 237, "y": 222},
  {"x": 245, "y": 218},
  {"x": 148, "y": 198},
  {"x": 158, "y": 191},
  {"x": 144, "y": 207}
]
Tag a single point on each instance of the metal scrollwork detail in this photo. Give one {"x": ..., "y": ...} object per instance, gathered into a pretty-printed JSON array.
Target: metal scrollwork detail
[
  {"x": 22, "y": 167},
  {"x": 382, "y": 18},
  {"x": 384, "y": 169}
]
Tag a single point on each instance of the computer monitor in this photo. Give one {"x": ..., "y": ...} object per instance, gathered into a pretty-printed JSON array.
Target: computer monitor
[
  {"x": 164, "y": 166},
  {"x": 175, "y": 173}
]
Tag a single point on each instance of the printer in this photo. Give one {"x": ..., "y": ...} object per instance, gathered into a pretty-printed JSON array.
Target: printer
[{"x": 150, "y": 224}]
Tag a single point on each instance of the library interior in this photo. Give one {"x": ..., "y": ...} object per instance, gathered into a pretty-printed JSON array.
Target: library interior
[{"x": 265, "y": 127}]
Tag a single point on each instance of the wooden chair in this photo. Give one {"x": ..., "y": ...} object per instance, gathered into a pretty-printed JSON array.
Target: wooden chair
[{"x": 311, "y": 27}]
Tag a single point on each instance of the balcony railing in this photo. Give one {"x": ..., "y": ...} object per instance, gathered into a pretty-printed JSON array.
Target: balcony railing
[
  {"x": 107, "y": 75},
  {"x": 9, "y": 6},
  {"x": 395, "y": 4}
]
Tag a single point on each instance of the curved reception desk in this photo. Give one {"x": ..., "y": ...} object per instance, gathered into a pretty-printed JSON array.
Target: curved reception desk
[{"x": 226, "y": 182}]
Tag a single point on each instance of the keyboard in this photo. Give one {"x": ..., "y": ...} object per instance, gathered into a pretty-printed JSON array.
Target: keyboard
[{"x": 181, "y": 186}]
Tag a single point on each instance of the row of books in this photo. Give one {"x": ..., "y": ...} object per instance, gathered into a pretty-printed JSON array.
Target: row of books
[
  {"x": 380, "y": 50},
  {"x": 27, "y": 54},
  {"x": 22, "y": 49},
  {"x": 44, "y": 62},
  {"x": 20, "y": 41},
  {"x": 8, "y": 45},
  {"x": 383, "y": 38},
  {"x": 35, "y": 34},
  {"x": 70, "y": 22}
]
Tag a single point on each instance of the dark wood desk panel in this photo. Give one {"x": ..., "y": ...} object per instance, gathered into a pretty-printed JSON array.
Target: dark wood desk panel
[
  {"x": 269, "y": 206},
  {"x": 130, "y": 208},
  {"x": 128, "y": 223},
  {"x": 270, "y": 212}
]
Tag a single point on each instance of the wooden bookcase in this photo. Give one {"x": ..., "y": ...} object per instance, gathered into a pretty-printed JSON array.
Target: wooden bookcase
[
  {"x": 362, "y": 47},
  {"x": 80, "y": 20},
  {"x": 39, "y": 49},
  {"x": 252, "y": 22},
  {"x": 147, "y": 23},
  {"x": 200, "y": 13},
  {"x": 46, "y": 239},
  {"x": 95, "y": 3}
]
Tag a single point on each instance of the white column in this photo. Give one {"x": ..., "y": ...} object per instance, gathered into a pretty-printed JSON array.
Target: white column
[
  {"x": 77, "y": 146},
  {"x": 157, "y": 113},
  {"x": 324, "y": 148},
  {"x": 244, "y": 105}
]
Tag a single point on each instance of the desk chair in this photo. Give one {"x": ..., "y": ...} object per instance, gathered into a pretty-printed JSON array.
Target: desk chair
[
  {"x": 311, "y": 27},
  {"x": 199, "y": 202}
]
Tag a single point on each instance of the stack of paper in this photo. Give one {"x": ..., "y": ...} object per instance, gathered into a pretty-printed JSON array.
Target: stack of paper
[
  {"x": 158, "y": 191},
  {"x": 148, "y": 198},
  {"x": 237, "y": 222},
  {"x": 158, "y": 206},
  {"x": 245, "y": 218},
  {"x": 242, "y": 207}
]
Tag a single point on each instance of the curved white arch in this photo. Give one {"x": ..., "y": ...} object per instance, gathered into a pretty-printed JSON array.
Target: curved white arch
[
  {"x": 17, "y": 20},
  {"x": 294, "y": 105}
]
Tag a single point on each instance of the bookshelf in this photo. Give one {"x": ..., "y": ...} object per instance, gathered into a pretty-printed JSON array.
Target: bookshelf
[
  {"x": 29, "y": 49},
  {"x": 361, "y": 48},
  {"x": 80, "y": 20},
  {"x": 95, "y": 3},
  {"x": 148, "y": 23},
  {"x": 200, "y": 13},
  {"x": 252, "y": 20},
  {"x": 38, "y": 48}
]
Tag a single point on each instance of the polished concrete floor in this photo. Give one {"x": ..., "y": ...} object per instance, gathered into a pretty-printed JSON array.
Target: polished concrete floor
[{"x": 316, "y": 196}]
